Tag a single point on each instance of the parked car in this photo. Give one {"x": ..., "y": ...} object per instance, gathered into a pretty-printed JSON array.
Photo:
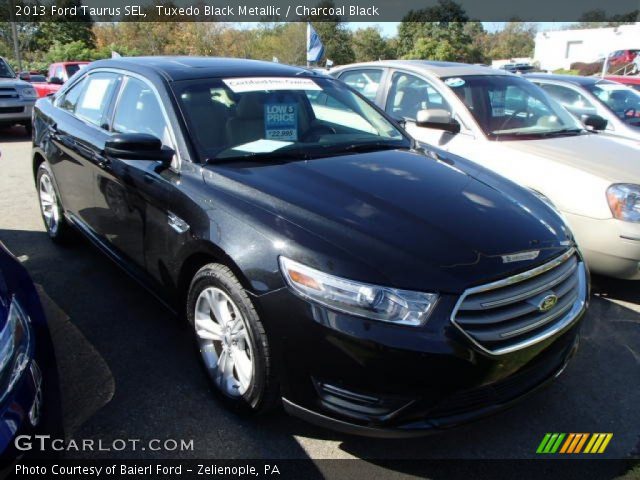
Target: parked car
[
  {"x": 518, "y": 68},
  {"x": 618, "y": 104},
  {"x": 509, "y": 125},
  {"x": 29, "y": 396},
  {"x": 17, "y": 98},
  {"x": 59, "y": 73},
  {"x": 632, "y": 81},
  {"x": 622, "y": 57},
  {"x": 320, "y": 262}
]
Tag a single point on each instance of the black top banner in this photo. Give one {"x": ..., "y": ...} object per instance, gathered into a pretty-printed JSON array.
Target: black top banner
[{"x": 318, "y": 10}]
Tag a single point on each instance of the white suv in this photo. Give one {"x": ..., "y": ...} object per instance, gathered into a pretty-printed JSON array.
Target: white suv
[
  {"x": 17, "y": 98},
  {"x": 511, "y": 126}
]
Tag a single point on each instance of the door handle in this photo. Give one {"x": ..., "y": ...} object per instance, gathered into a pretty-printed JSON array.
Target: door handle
[{"x": 103, "y": 163}]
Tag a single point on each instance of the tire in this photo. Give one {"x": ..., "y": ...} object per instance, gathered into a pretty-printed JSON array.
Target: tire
[
  {"x": 51, "y": 209},
  {"x": 29, "y": 129},
  {"x": 228, "y": 334}
]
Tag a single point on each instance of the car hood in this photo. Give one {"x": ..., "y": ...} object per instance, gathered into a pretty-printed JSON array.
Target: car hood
[
  {"x": 13, "y": 82},
  {"x": 613, "y": 160},
  {"x": 408, "y": 215}
]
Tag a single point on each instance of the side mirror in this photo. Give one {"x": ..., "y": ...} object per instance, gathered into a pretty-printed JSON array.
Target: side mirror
[
  {"x": 593, "y": 122},
  {"x": 55, "y": 80},
  {"x": 438, "y": 119},
  {"x": 138, "y": 146},
  {"x": 26, "y": 76}
]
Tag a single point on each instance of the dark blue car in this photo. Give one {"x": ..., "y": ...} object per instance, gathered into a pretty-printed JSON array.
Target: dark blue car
[{"x": 28, "y": 374}]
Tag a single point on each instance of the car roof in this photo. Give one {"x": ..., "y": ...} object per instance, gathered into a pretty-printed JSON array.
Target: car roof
[
  {"x": 439, "y": 69},
  {"x": 573, "y": 79},
  {"x": 187, "y": 68}
]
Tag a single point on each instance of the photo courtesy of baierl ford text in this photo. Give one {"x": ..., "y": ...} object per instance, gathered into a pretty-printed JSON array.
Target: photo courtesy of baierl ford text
[{"x": 320, "y": 239}]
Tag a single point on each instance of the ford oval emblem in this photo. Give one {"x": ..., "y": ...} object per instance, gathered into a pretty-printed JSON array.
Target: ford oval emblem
[{"x": 548, "y": 302}]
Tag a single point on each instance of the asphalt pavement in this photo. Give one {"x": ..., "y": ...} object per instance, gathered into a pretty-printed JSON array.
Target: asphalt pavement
[{"x": 129, "y": 369}]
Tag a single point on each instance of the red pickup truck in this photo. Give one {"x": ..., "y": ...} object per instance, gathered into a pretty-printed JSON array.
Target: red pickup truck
[
  {"x": 58, "y": 74},
  {"x": 632, "y": 80}
]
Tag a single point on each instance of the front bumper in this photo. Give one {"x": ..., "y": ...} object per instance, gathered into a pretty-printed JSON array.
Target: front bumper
[
  {"x": 610, "y": 247},
  {"x": 370, "y": 378},
  {"x": 16, "y": 111},
  {"x": 487, "y": 402}
]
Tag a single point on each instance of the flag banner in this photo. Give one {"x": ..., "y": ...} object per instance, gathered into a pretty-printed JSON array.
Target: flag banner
[{"x": 315, "y": 48}]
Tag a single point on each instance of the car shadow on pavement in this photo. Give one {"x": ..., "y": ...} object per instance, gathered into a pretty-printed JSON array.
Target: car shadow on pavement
[
  {"x": 13, "y": 134},
  {"x": 129, "y": 367},
  {"x": 159, "y": 390},
  {"x": 617, "y": 290}
]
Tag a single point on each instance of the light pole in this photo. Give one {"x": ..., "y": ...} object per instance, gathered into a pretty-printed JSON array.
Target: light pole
[{"x": 14, "y": 34}]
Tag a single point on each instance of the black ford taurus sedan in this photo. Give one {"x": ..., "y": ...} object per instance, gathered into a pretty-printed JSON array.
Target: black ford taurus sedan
[{"x": 323, "y": 260}]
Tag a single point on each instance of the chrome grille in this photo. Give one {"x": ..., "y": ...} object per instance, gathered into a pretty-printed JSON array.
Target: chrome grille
[
  {"x": 8, "y": 92},
  {"x": 519, "y": 311}
]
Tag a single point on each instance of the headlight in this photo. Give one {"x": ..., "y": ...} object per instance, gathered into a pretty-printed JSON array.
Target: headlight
[
  {"x": 28, "y": 92},
  {"x": 15, "y": 346},
  {"x": 624, "y": 201},
  {"x": 371, "y": 301}
]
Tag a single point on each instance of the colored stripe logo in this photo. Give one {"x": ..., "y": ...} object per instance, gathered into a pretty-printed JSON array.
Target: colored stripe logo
[{"x": 574, "y": 443}]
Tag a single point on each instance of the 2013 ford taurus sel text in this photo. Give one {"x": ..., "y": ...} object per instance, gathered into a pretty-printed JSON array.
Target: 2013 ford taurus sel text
[{"x": 323, "y": 261}]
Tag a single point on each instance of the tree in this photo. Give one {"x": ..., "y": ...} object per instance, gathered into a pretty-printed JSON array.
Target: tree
[
  {"x": 432, "y": 22},
  {"x": 517, "y": 39},
  {"x": 369, "y": 44},
  {"x": 598, "y": 18},
  {"x": 65, "y": 28},
  {"x": 439, "y": 33}
]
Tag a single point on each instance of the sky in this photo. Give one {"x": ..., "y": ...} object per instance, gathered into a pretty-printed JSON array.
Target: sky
[{"x": 389, "y": 29}]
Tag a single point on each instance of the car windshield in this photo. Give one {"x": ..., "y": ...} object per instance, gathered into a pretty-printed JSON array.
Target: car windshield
[
  {"x": 508, "y": 107},
  {"x": 5, "y": 70},
  {"x": 281, "y": 118},
  {"x": 620, "y": 99}
]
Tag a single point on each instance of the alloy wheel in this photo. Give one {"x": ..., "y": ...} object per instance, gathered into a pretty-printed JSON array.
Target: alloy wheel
[
  {"x": 224, "y": 341},
  {"x": 49, "y": 203}
]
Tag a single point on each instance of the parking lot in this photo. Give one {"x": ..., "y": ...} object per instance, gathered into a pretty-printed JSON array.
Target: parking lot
[{"x": 128, "y": 368}]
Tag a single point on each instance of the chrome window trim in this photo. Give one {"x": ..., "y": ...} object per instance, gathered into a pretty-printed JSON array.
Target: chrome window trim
[{"x": 567, "y": 320}]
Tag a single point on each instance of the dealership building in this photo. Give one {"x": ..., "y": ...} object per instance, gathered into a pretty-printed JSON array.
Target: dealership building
[{"x": 561, "y": 48}]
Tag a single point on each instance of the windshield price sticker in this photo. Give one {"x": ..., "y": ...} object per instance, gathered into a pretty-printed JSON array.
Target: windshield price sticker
[
  {"x": 256, "y": 84},
  {"x": 281, "y": 121}
]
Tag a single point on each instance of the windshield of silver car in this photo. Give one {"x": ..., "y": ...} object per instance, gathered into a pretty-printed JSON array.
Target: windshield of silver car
[{"x": 509, "y": 107}]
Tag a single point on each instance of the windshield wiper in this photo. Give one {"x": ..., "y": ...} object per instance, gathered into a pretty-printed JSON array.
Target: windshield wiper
[
  {"x": 258, "y": 156},
  {"x": 564, "y": 131},
  {"x": 372, "y": 147},
  {"x": 553, "y": 133}
]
